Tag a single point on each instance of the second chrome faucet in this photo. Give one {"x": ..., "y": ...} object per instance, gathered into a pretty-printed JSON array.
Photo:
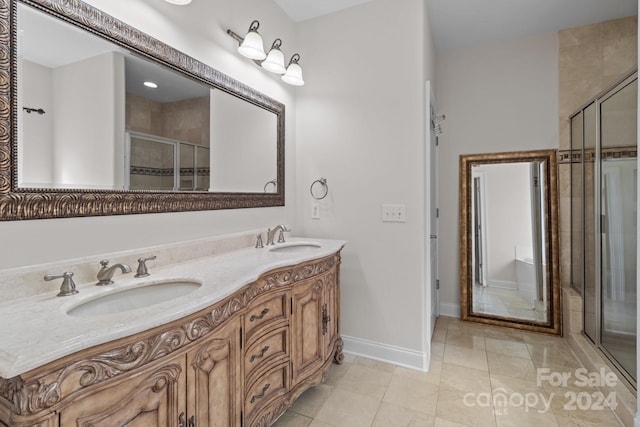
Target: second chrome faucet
[{"x": 106, "y": 273}]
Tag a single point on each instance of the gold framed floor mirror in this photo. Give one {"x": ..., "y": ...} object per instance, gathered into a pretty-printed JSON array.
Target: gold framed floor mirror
[{"x": 509, "y": 262}]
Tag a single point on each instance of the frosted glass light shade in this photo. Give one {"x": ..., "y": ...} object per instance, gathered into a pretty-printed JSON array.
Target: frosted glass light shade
[
  {"x": 293, "y": 76},
  {"x": 252, "y": 46},
  {"x": 274, "y": 61},
  {"x": 178, "y": 2}
]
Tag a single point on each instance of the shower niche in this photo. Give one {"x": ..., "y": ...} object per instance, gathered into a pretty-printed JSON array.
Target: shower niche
[{"x": 604, "y": 176}]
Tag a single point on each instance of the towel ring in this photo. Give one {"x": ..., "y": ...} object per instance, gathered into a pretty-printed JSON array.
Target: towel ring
[
  {"x": 274, "y": 182},
  {"x": 324, "y": 191}
]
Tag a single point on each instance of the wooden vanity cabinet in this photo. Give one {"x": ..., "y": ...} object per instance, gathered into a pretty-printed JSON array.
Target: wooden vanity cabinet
[{"x": 241, "y": 362}]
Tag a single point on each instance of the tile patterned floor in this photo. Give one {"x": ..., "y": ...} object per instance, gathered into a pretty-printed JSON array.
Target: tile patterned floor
[{"x": 480, "y": 362}]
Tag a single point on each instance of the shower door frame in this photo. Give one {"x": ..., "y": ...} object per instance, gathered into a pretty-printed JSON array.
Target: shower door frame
[{"x": 597, "y": 184}]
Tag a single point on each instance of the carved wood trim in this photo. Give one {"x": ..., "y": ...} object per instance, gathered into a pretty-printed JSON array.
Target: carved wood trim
[
  {"x": 28, "y": 203},
  {"x": 54, "y": 386}
]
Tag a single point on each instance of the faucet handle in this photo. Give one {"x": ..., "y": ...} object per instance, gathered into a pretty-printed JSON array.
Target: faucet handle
[
  {"x": 68, "y": 287},
  {"x": 142, "y": 266},
  {"x": 281, "y": 235},
  {"x": 259, "y": 244},
  {"x": 104, "y": 262}
]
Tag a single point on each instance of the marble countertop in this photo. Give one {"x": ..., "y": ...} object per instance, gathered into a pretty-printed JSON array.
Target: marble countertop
[{"x": 37, "y": 330}]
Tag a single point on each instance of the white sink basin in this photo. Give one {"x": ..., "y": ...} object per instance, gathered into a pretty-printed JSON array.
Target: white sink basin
[
  {"x": 134, "y": 298},
  {"x": 296, "y": 247}
]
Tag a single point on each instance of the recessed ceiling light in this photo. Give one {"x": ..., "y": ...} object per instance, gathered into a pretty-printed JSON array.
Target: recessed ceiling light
[
  {"x": 178, "y": 2},
  {"x": 152, "y": 85}
]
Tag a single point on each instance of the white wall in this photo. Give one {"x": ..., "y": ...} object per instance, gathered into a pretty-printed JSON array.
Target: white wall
[
  {"x": 508, "y": 223},
  {"x": 35, "y": 134},
  {"x": 85, "y": 138},
  {"x": 243, "y": 158},
  {"x": 200, "y": 31},
  {"x": 360, "y": 125},
  {"x": 498, "y": 97}
]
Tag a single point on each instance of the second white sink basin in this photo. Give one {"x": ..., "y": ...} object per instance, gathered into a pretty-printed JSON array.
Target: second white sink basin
[
  {"x": 296, "y": 247},
  {"x": 134, "y": 298}
]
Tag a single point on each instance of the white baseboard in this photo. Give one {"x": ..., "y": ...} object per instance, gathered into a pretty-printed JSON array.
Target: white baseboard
[
  {"x": 399, "y": 356},
  {"x": 449, "y": 310}
]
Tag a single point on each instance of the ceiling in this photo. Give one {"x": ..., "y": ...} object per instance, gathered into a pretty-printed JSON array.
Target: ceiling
[{"x": 456, "y": 24}]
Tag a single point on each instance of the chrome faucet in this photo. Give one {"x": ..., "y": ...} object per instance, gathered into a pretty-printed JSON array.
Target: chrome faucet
[
  {"x": 106, "y": 273},
  {"x": 271, "y": 233}
]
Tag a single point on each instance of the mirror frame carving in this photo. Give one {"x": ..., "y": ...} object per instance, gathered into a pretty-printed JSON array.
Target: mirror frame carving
[
  {"x": 554, "y": 308},
  {"x": 29, "y": 203}
]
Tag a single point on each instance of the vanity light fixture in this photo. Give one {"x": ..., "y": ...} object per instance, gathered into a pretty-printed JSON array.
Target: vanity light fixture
[
  {"x": 178, "y": 2},
  {"x": 293, "y": 76},
  {"x": 252, "y": 47},
  {"x": 152, "y": 85}
]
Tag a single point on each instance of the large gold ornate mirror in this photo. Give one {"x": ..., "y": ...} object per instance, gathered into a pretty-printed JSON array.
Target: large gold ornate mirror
[
  {"x": 509, "y": 240},
  {"x": 80, "y": 135}
]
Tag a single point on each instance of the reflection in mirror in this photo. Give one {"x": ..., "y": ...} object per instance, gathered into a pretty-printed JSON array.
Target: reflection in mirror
[
  {"x": 67, "y": 146},
  {"x": 507, "y": 212},
  {"x": 114, "y": 121},
  {"x": 243, "y": 157}
]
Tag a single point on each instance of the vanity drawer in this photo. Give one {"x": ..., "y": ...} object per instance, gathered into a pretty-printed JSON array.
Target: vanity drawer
[
  {"x": 268, "y": 387},
  {"x": 269, "y": 347},
  {"x": 267, "y": 309}
]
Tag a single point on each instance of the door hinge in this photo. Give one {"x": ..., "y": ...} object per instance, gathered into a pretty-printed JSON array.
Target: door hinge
[{"x": 438, "y": 284}]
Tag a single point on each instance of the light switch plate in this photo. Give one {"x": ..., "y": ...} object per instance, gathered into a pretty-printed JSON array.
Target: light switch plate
[{"x": 393, "y": 213}]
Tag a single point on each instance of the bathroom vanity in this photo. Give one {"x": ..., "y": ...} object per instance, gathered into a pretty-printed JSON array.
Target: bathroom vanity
[{"x": 236, "y": 353}]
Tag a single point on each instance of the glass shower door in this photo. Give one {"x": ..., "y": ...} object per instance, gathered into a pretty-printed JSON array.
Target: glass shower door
[{"x": 618, "y": 228}]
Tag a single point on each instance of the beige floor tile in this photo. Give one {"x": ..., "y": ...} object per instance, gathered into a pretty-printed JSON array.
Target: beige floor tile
[
  {"x": 374, "y": 364},
  {"x": 501, "y": 333},
  {"x": 587, "y": 419},
  {"x": 446, "y": 423},
  {"x": 520, "y": 417},
  {"x": 336, "y": 372},
  {"x": 517, "y": 367},
  {"x": 293, "y": 419},
  {"x": 554, "y": 355},
  {"x": 476, "y": 359},
  {"x": 316, "y": 423},
  {"x": 512, "y": 393},
  {"x": 465, "y": 379},
  {"x": 437, "y": 351},
  {"x": 470, "y": 341},
  {"x": 509, "y": 348},
  {"x": 349, "y": 358},
  {"x": 390, "y": 415},
  {"x": 412, "y": 394},
  {"x": 344, "y": 408},
  {"x": 366, "y": 381},
  {"x": 432, "y": 376},
  {"x": 439, "y": 335},
  {"x": 310, "y": 402},
  {"x": 464, "y": 408}
]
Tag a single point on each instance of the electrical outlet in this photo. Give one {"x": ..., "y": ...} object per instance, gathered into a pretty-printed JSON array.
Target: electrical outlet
[
  {"x": 315, "y": 210},
  {"x": 393, "y": 213}
]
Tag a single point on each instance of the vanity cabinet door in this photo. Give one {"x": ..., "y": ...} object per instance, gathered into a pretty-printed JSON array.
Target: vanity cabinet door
[
  {"x": 213, "y": 375},
  {"x": 154, "y": 396},
  {"x": 307, "y": 350}
]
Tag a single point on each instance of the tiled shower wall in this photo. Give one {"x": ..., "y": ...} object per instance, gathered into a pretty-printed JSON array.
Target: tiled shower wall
[{"x": 592, "y": 57}]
